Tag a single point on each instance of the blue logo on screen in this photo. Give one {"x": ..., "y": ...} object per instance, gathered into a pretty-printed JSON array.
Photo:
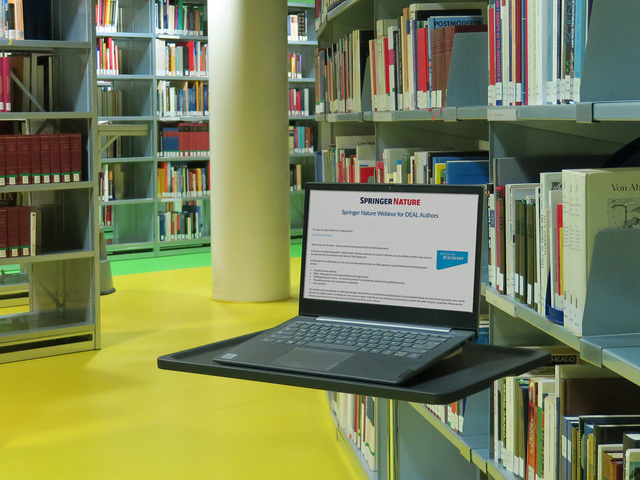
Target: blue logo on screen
[{"x": 448, "y": 259}]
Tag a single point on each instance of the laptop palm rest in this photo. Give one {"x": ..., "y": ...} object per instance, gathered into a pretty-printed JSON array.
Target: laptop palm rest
[{"x": 309, "y": 359}]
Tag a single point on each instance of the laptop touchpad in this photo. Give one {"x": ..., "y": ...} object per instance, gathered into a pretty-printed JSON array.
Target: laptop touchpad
[{"x": 309, "y": 359}]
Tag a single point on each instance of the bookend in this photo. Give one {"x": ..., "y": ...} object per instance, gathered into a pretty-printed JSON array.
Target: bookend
[
  {"x": 468, "y": 79},
  {"x": 613, "y": 26},
  {"x": 611, "y": 305}
]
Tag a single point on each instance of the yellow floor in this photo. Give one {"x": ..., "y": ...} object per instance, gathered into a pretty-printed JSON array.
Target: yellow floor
[{"x": 112, "y": 414}]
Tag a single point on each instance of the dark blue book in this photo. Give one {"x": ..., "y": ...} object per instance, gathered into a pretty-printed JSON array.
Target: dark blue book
[{"x": 467, "y": 172}]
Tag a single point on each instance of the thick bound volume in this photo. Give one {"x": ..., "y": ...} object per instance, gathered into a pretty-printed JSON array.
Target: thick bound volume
[{"x": 593, "y": 199}]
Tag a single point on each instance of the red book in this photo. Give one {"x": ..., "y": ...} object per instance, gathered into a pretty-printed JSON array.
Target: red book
[
  {"x": 3, "y": 164},
  {"x": 24, "y": 221},
  {"x": 11, "y": 158},
  {"x": 36, "y": 162},
  {"x": 13, "y": 231},
  {"x": 56, "y": 168},
  {"x": 559, "y": 257},
  {"x": 6, "y": 79},
  {"x": 45, "y": 157},
  {"x": 366, "y": 173},
  {"x": 433, "y": 67},
  {"x": 76, "y": 156},
  {"x": 517, "y": 62},
  {"x": 24, "y": 159},
  {"x": 65, "y": 157},
  {"x": 4, "y": 239},
  {"x": 385, "y": 49},
  {"x": 2, "y": 86}
]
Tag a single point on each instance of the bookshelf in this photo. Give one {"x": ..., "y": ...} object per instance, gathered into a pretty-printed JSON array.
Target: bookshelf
[
  {"x": 157, "y": 96},
  {"x": 57, "y": 286},
  {"x": 604, "y": 120},
  {"x": 302, "y": 77}
]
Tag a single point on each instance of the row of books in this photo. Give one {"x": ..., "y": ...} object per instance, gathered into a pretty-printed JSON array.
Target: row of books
[
  {"x": 295, "y": 177},
  {"x": 108, "y": 16},
  {"x": 184, "y": 140},
  {"x": 105, "y": 216},
  {"x": 182, "y": 98},
  {"x": 340, "y": 73},
  {"x": 299, "y": 102},
  {"x": 396, "y": 62},
  {"x": 174, "y": 17},
  {"x": 182, "y": 179},
  {"x": 356, "y": 416},
  {"x": 541, "y": 233},
  {"x": 300, "y": 139},
  {"x": 108, "y": 57},
  {"x": 353, "y": 159},
  {"x": 429, "y": 47},
  {"x": 12, "y": 19},
  {"x": 295, "y": 65},
  {"x": 38, "y": 159},
  {"x": 297, "y": 27},
  {"x": 181, "y": 59},
  {"x": 568, "y": 421},
  {"x": 111, "y": 182},
  {"x": 5, "y": 84},
  {"x": 183, "y": 221},
  {"x": 17, "y": 232},
  {"x": 110, "y": 102},
  {"x": 35, "y": 72},
  {"x": 536, "y": 51}
]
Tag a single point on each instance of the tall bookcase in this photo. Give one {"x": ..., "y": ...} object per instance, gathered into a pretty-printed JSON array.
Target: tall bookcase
[
  {"x": 135, "y": 218},
  {"x": 64, "y": 313},
  {"x": 413, "y": 443},
  {"x": 306, "y": 79}
]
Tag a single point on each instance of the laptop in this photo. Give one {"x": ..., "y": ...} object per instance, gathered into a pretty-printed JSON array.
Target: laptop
[{"x": 389, "y": 283}]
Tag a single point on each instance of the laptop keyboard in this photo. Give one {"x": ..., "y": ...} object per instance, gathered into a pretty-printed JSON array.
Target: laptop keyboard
[{"x": 347, "y": 338}]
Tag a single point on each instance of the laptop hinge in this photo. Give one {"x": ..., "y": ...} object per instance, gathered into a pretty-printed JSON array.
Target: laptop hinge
[{"x": 382, "y": 324}]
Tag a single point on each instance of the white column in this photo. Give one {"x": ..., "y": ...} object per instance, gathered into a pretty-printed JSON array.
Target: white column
[{"x": 248, "y": 104}]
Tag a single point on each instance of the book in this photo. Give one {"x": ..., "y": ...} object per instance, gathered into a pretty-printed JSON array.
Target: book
[{"x": 592, "y": 200}]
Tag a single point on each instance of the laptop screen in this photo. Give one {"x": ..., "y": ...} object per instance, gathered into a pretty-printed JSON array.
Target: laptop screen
[{"x": 398, "y": 253}]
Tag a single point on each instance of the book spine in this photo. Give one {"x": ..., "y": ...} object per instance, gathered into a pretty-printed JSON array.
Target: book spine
[
  {"x": 75, "y": 145},
  {"x": 65, "y": 157},
  {"x": 36, "y": 161},
  {"x": 56, "y": 166},
  {"x": 3, "y": 163},
  {"x": 24, "y": 159},
  {"x": 13, "y": 232},
  {"x": 4, "y": 238}
]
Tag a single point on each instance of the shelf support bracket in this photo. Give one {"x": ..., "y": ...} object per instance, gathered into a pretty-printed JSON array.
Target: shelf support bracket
[{"x": 27, "y": 92}]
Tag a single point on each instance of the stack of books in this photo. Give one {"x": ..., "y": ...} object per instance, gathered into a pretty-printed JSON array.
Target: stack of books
[
  {"x": 184, "y": 140},
  {"x": 182, "y": 99},
  {"x": 40, "y": 159},
  {"x": 182, "y": 179},
  {"x": 181, "y": 59},
  {"x": 300, "y": 139},
  {"x": 108, "y": 16},
  {"x": 295, "y": 65},
  {"x": 182, "y": 221},
  {"x": 299, "y": 102},
  {"x": 18, "y": 232},
  {"x": 109, "y": 57},
  {"x": 173, "y": 17},
  {"x": 541, "y": 234},
  {"x": 297, "y": 27},
  {"x": 536, "y": 51}
]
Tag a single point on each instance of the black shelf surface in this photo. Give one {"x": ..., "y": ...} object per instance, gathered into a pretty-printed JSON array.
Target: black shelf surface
[{"x": 472, "y": 370}]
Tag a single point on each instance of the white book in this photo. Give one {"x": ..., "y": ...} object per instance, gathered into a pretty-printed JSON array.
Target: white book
[
  {"x": 391, "y": 102},
  {"x": 390, "y": 157},
  {"x": 603, "y": 199},
  {"x": 550, "y": 437},
  {"x": 493, "y": 239}
]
